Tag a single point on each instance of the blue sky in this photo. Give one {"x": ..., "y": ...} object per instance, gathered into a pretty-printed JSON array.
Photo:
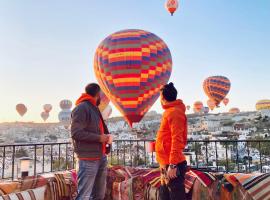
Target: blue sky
[{"x": 47, "y": 48}]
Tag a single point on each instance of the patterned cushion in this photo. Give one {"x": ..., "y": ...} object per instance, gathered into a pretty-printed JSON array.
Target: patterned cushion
[
  {"x": 32, "y": 182},
  {"x": 8, "y": 187},
  {"x": 132, "y": 189},
  {"x": 34, "y": 194}
]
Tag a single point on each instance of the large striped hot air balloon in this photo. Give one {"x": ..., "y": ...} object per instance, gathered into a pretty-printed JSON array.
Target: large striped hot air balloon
[
  {"x": 216, "y": 88},
  {"x": 198, "y": 107},
  {"x": 234, "y": 110},
  {"x": 21, "y": 109},
  {"x": 211, "y": 104},
  {"x": 104, "y": 101},
  {"x": 131, "y": 66}
]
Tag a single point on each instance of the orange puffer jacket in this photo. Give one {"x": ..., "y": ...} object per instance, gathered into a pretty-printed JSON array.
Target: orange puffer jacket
[{"x": 172, "y": 135}]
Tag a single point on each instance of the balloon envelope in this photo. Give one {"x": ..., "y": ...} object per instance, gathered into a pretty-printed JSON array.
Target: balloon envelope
[
  {"x": 188, "y": 107},
  {"x": 263, "y": 105},
  {"x": 131, "y": 67},
  {"x": 171, "y": 6},
  {"x": 234, "y": 110},
  {"x": 198, "y": 107},
  {"x": 216, "y": 88},
  {"x": 21, "y": 109},
  {"x": 44, "y": 115},
  {"x": 47, "y": 108},
  {"x": 65, "y": 104},
  {"x": 65, "y": 117},
  {"x": 205, "y": 110},
  {"x": 226, "y": 101}
]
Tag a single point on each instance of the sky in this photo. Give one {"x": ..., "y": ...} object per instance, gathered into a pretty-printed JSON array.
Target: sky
[{"x": 47, "y": 48}]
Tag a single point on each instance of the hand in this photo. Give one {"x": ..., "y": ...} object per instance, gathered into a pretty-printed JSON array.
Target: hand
[
  {"x": 171, "y": 173},
  {"x": 104, "y": 138}
]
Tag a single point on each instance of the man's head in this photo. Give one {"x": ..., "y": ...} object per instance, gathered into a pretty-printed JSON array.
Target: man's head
[
  {"x": 93, "y": 90},
  {"x": 168, "y": 93}
]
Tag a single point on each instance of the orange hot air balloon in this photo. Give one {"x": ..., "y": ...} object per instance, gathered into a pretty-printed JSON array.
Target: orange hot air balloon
[
  {"x": 188, "y": 107},
  {"x": 171, "y": 6},
  {"x": 131, "y": 67},
  {"x": 21, "y": 109},
  {"x": 234, "y": 110},
  {"x": 226, "y": 101},
  {"x": 47, "y": 108},
  {"x": 211, "y": 104},
  {"x": 198, "y": 107},
  {"x": 216, "y": 88},
  {"x": 44, "y": 115},
  {"x": 104, "y": 101}
]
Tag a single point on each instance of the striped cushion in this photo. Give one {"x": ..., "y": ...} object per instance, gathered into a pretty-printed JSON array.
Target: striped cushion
[{"x": 35, "y": 194}]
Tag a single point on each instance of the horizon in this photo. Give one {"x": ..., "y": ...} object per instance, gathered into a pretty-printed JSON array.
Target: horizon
[{"x": 47, "y": 49}]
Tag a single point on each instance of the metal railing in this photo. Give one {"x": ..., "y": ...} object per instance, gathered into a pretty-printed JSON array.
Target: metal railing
[{"x": 210, "y": 155}]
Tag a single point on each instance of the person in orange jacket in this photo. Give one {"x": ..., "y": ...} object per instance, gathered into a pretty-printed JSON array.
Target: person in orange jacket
[{"x": 170, "y": 144}]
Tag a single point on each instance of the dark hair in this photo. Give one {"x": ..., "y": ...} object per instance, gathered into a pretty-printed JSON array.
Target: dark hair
[
  {"x": 169, "y": 92},
  {"x": 92, "y": 89}
]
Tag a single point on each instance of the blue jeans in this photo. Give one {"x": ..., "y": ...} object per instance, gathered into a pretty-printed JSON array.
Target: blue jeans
[{"x": 92, "y": 179}]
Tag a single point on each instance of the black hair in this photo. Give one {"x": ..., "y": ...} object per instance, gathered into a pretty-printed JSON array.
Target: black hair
[
  {"x": 92, "y": 89},
  {"x": 169, "y": 92}
]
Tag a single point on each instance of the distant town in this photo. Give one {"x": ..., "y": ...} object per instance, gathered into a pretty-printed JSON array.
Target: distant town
[{"x": 201, "y": 127}]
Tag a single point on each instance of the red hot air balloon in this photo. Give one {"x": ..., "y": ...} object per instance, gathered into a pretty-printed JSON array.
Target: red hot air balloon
[
  {"x": 47, "y": 108},
  {"x": 216, "y": 88},
  {"x": 226, "y": 101},
  {"x": 65, "y": 104},
  {"x": 171, "y": 6},
  {"x": 44, "y": 116},
  {"x": 211, "y": 104},
  {"x": 131, "y": 67},
  {"x": 21, "y": 109},
  {"x": 104, "y": 101},
  {"x": 198, "y": 107}
]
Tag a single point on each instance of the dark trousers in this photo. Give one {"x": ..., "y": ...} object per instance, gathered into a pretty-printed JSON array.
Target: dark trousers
[{"x": 175, "y": 188}]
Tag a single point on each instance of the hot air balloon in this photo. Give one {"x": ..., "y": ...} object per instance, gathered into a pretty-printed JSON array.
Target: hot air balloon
[
  {"x": 131, "y": 67},
  {"x": 107, "y": 112},
  {"x": 226, "y": 101},
  {"x": 44, "y": 116},
  {"x": 21, "y": 109},
  {"x": 263, "y": 106},
  {"x": 65, "y": 117},
  {"x": 234, "y": 110},
  {"x": 198, "y": 107},
  {"x": 171, "y": 6},
  {"x": 104, "y": 102},
  {"x": 211, "y": 104},
  {"x": 216, "y": 88},
  {"x": 205, "y": 110},
  {"x": 188, "y": 107},
  {"x": 65, "y": 104},
  {"x": 47, "y": 108}
]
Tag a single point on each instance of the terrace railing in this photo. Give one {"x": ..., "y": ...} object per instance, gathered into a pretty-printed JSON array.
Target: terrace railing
[{"x": 209, "y": 155}]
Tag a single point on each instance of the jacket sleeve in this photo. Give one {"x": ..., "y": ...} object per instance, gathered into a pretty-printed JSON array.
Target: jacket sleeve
[
  {"x": 177, "y": 128},
  {"x": 78, "y": 124}
]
